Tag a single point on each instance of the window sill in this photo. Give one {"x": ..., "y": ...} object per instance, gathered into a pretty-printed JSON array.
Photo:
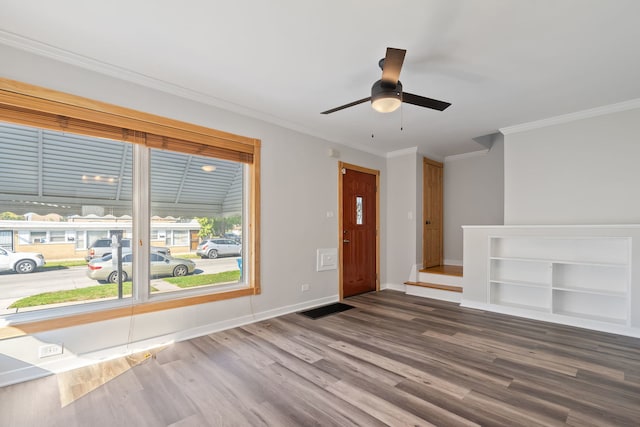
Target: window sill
[{"x": 91, "y": 315}]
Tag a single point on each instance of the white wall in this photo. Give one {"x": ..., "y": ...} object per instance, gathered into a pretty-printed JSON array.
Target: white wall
[
  {"x": 473, "y": 195},
  {"x": 402, "y": 216},
  {"x": 580, "y": 172},
  {"x": 299, "y": 187}
]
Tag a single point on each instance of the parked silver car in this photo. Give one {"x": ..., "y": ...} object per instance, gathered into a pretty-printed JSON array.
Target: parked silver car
[
  {"x": 101, "y": 247},
  {"x": 20, "y": 262},
  {"x": 103, "y": 269},
  {"x": 213, "y": 248}
]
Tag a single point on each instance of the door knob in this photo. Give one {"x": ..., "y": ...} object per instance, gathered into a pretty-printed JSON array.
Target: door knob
[{"x": 427, "y": 222}]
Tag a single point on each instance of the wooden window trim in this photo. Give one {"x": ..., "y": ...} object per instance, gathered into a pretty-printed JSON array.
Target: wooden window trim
[
  {"x": 47, "y": 102},
  {"x": 30, "y": 105}
]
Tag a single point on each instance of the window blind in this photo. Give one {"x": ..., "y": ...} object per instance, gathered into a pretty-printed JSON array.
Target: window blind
[{"x": 29, "y": 105}]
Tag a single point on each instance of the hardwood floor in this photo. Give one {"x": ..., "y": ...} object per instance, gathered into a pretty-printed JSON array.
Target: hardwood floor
[
  {"x": 393, "y": 360},
  {"x": 447, "y": 270}
]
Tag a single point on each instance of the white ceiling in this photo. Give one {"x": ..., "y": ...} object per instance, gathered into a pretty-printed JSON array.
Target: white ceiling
[{"x": 499, "y": 62}]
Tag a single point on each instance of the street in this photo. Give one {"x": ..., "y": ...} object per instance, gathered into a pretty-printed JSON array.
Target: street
[{"x": 16, "y": 286}]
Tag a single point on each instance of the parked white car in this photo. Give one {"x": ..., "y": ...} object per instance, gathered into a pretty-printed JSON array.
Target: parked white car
[
  {"x": 213, "y": 248},
  {"x": 20, "y": 262}
]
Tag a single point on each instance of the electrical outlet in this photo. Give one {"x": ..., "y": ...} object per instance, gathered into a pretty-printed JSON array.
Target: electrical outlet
[
  {"x": 304, "y": 287},
  {"x": 50, "y": 350}
]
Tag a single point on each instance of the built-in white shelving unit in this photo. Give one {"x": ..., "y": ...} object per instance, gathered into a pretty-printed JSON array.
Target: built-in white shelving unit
[{"x": 580, "y": 277}]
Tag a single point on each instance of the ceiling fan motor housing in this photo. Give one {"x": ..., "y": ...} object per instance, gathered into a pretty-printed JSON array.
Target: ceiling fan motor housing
[{"x": 386, "y": 97}]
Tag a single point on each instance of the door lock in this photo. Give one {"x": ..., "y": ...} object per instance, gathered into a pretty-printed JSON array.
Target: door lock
[{"x": 346, "y": 241}]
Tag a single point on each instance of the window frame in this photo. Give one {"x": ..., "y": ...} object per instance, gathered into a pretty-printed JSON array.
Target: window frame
[{"x": 30, "y": 105}]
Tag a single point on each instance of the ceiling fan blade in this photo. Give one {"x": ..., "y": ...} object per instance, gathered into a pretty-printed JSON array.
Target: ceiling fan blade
[
  {"x": 351, "y": 104},
  {"x": 424, "y": 102},
  {"x": 392, "y": 65}
]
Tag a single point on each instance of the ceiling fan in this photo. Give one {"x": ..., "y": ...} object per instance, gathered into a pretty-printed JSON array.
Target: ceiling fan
[{"x": 386, "y": 93}]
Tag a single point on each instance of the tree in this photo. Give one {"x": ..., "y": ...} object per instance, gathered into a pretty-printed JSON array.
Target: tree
[
  {"x": 10, "y": 216},
  {"x": 217, "y": 226},
  {"x": 207, "y": 227},
  {"x": 232, "y": 221}
]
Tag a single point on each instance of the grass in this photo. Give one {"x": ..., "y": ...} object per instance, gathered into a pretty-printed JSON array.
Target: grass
[
  {"x": 204, "y": 279},
  {"x": 186, "y": 255},
  {"x": 73, "y": 295},
  {"x": 111, "y": 290},
  {"x": 60, "y": 265}
]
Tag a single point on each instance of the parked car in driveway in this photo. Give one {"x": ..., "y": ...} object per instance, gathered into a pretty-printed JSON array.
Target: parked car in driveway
[
  {"x": 101, "y": 247},
  {"x": 20, "y": 262},
  {"x": 103, "y": 269},
  {"x": 213, "y": 248},
  {"x": 232, "y": 236}
]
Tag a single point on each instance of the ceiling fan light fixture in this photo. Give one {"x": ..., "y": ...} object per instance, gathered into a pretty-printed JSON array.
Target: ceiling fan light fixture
[{"x": 384, "y": 98}]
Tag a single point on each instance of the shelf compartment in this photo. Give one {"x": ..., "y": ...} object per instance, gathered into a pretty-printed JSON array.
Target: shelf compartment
[
  {"x": 614, "y": 320},
  {"x": 520, "y": 272},
  {"x": 562, "y": 261},
  {"x": 525, "y": 297},
  {"x": 598, "y": 279},
  {"x": 591, "y": 306},
  {"x": 606, "y": 293},
  {"x": 522, "y": 283},
  {"x": 601, "y": 250}
]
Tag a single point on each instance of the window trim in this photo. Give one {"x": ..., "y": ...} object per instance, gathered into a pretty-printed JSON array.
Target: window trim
[{"x": 26, "y": 104}]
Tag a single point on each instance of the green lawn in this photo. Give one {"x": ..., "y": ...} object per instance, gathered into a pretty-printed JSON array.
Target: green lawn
[
  {"x": 204, "y": 279},
  {"x": 82, "y": 294},
  {"x": 111, "y": 290},
  {"x": 60, "y": 265}
]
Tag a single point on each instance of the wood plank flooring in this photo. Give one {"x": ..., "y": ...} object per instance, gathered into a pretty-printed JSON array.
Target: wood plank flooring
[
  {"x": 447, "y": 270},
  {"x": 393, "y": 360}
]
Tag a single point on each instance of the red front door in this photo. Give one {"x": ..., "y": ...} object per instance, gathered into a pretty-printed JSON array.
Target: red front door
[{"x": 359, "y": 225}]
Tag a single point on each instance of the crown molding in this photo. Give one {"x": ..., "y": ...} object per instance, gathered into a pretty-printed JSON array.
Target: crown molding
[
  {"x": 463, "y": 156},
  {"x": 566, "y": 118},
  {"x": 91, "y": 64}
]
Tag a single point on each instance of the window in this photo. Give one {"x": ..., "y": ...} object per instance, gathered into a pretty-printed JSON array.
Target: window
[
  {"x": 200, "y": 195},
  {"x": 57, "y": 236},
  {"x": 64, "y": 176},
  {"x": 80, "y": 240},
  {"x": 38, "y": 237},
  {"x": 86, "y": 164}
]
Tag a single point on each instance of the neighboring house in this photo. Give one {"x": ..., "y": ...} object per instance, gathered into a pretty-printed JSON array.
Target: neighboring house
[{"x": 70, "y": 239}]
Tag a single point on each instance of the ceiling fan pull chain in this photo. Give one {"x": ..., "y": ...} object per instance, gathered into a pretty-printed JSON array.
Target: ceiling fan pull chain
[{"x": 401, "y": 118}]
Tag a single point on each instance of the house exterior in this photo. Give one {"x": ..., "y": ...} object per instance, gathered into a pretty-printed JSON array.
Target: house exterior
[{"x": 66, "y": 240}]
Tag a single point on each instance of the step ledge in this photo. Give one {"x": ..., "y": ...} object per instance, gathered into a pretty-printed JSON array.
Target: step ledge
[
  {"x": 435, "y": 270},
  {"x": 435, "y": 286}
]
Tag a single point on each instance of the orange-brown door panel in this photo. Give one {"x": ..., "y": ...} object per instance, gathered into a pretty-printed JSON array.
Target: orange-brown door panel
[{"x": 359, "y": 225}]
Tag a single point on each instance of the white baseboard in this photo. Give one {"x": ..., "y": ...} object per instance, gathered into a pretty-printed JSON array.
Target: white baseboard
[
  {"x": 394, "y": 287},
  {"x": 453, "y": 262},
  {"x": 554, "y": 318},
  {"x": 31, "y": 372}
]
